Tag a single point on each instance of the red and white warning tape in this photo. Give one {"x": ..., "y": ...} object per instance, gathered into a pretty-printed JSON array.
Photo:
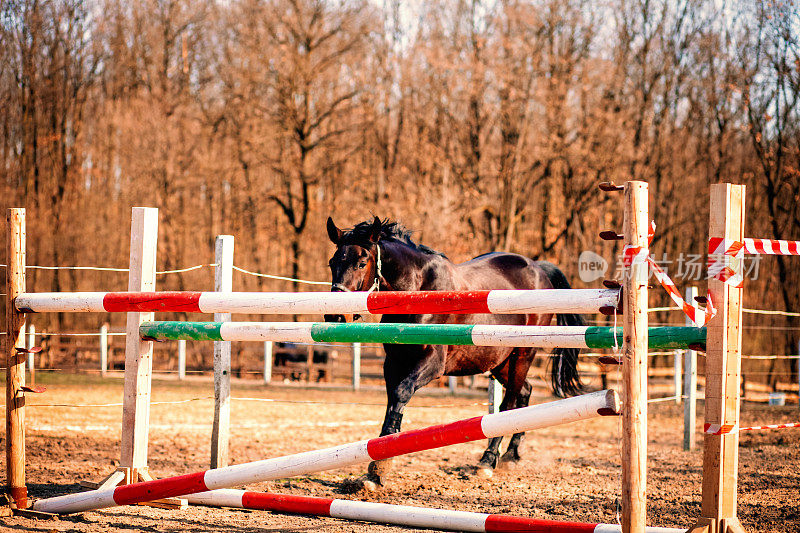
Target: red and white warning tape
[
  {"x": 725, "y": 256},
  {"x": 725, "y": 429},
  {"x": 696, "y": 314},
  {"x": 640, "y": 254},
  {"x": 771, "y": 247}
]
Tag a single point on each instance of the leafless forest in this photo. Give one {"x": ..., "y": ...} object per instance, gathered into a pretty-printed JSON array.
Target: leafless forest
[{"x": 483, "y": 125}]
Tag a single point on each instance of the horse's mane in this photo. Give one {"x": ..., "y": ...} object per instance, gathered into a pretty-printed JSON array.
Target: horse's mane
[{"x": 390, "y": 231}]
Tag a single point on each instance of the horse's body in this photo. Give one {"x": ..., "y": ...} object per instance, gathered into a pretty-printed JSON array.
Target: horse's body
[{"x": 381, "y": 255}]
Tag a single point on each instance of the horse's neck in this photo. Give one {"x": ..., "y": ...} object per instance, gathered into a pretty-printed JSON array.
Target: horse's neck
[{"x": 406, "y": 269}]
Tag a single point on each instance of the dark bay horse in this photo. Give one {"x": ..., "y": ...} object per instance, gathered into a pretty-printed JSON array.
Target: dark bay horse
[{"x": 381, "y": 255}]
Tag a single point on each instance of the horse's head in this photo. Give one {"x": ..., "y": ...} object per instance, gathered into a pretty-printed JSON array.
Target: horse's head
[{"x": 354, "y": 265}]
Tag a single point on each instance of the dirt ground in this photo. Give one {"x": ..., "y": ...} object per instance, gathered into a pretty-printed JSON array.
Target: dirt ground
[{"x": 568, "y": 472}]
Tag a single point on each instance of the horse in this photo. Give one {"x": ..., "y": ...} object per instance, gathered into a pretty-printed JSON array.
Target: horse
[{"x": 380, "y": 255}]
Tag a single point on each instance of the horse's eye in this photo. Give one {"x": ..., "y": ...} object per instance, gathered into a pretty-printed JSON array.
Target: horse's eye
[{"x": 362, "y": 265}]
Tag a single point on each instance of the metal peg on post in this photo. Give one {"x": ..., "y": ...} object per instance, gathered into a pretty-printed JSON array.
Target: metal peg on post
[{"x": 223, "y": 282}]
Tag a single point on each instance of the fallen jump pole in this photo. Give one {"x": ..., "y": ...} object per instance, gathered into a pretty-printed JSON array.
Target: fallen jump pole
[
  {"x": 403, "y": 515},
  {"x": 478, "y": 428},
  {"x": 450, "y": 334},
  {"x": 364, "y": 303}
]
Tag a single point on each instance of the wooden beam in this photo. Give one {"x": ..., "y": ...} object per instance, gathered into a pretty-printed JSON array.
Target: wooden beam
[
  {"x": 138, "y": 353},
  {"x": 220, "y": 432},
  {"x": 723, "y": 371},
  {"x": 634, "y": 363},
  {"x": 15, "y": 361}
]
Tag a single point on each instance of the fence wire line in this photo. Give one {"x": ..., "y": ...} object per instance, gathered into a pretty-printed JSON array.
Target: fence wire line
[
  {"x": 744, "y": 310},
  {"x": 769, "y": 312},
  {"x": 177, "y": 271},
  {"x": 284, "y": 278},
  {"x": 268, "y": 400}
]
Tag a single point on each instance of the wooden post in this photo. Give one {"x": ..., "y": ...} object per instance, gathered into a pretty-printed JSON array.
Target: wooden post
[
  {"x": 723, "y": 370},
  {"x": 138, "y": 353},
  {"x": 182, "y": 359},
  {"x": 309, "y": 362},
  {"x": 223, "y": 282},
  {"x": 689, "y": 386},
  {"x": 103, "y": 349},
  {"x": 356, "y": 366},
  {"x": 267, "y": 362},
  {"x": 634, "y": 363},
  {"x": 15, "y": 361},
  {"x": 678, "y": 378},
  {"x": 495, "y": 395},
  {"x": 30, "y": 342}
]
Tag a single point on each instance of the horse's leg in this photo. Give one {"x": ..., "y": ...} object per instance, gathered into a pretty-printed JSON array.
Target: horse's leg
[
  {"x": 501, "y": 373},
  {"x": 402, "y": 381},
  {"x": 521, "y": 399},
  {"x": 512, "y": 452}
]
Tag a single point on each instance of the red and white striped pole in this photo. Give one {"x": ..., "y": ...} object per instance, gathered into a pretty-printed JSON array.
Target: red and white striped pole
[
  {"x": 359, "y": 302},
  {"x": 403, "y": 515},
  {"x": 478, "y": 428}
]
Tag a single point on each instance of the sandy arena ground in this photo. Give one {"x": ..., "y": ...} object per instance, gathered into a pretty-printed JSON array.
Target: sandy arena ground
[{"x": 568, "y": 472}]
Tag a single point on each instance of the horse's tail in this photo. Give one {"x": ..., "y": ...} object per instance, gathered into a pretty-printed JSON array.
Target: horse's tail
[{"x": 564, "y": 377}]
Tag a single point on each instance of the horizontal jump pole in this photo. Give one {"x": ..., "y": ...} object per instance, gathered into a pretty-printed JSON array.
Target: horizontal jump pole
[
  {"x": 472, "y": 429},
  {"x": 364, "y": 303},
  {"x": 402, "y": 515},
  {"x": 666, "y": 338}
]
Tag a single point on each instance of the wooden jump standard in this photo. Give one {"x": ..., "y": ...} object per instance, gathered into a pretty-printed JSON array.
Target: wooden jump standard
[
  {"x": 723, "y": 374},
  {"x": 482, "y": 427}
]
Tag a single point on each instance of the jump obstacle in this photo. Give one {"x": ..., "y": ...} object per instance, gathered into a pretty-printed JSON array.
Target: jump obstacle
[
  {"x": 139, "y": 353},
  {"x": 363, "y": 303},
  {"x": 665, "y": 338},
  {"x": 403, "y": 515},
  {"x": 719, "y": 487},
  {"x": 478, "y": 428}
]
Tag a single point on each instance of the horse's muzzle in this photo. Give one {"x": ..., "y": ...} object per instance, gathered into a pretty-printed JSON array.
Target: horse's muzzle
[{"x": 334, "y": 318}]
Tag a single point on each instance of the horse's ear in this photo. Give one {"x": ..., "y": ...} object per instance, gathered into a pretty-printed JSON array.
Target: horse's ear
[
  {"x": 334, "y": 233},
  {"x": 375, "y": 231}
]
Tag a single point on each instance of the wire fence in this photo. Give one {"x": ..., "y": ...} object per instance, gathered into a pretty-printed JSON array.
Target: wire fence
[{"x": 178, "y": 271}]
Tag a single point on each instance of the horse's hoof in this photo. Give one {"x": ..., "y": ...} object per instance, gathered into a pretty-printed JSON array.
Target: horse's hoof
[
  {"x": 370, "y": 486},
  {"x": 484, "y": 471},
  {"x": 361, "y": 484},
  {"x": 378, "y": 471},
  {"x": 508, "y": 459}
]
